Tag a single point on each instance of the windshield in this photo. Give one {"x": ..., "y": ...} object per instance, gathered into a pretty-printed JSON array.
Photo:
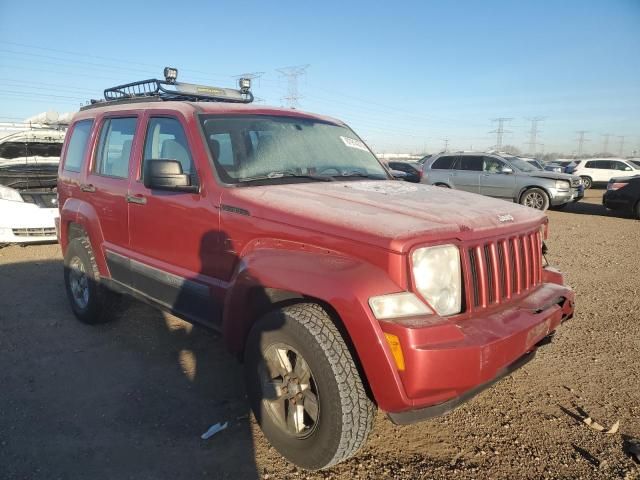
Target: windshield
[
  {"x": 270, "y": 148},
  {"x": 521, "y": 165}
]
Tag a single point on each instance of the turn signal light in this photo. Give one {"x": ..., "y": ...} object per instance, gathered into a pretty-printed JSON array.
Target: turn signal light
[{"x": 396, "y": 350}]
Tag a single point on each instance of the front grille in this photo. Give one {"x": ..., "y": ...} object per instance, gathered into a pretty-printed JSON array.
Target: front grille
[
  {"x": 34, "y": 232},
  {"x": 503, "y": 268}
]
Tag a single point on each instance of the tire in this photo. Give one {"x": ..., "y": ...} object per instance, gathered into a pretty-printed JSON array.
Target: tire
[
  {"x": 443, "y": 185},
  {"x": 301, "y": 342},
  {"x": 587, "y": 182},
  {"x": 535, "y": 198},
  {"x": 90, "y": 301},
  {"x": 636, "y": 211}
]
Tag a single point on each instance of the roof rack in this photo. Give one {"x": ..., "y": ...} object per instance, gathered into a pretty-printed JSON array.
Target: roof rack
[{"x": 170, "y": 89}]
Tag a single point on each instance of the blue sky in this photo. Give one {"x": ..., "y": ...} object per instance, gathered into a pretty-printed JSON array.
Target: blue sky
[{"x": 405, "y": 75}]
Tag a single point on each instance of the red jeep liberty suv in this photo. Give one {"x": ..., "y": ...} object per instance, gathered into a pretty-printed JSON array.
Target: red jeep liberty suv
[{"x": 341, "y": 288}]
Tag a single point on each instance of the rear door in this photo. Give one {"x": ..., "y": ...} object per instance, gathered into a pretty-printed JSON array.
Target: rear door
[
  {"x": 107, "y": 183},
  {"x": 174, "y": 236},
  {"x": 466, "y": 175},
  {"x": 494, "y": 182}
]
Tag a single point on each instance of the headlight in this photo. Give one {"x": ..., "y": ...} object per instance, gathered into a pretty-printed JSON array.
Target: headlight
[
  {"x": 396, "y": 305},
  {"x": 438, "y": 278},
  {"x": 7, "y": 193},
  {"x": 562, "y": 185}
]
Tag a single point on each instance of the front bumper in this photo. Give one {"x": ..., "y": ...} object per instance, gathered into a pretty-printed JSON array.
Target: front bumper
[
  {"x": 614, "y": 200},
  {"x": 560, "y": 197},
  {"x": 447, "y": 363},
  {"x": 22, "y": 222}
]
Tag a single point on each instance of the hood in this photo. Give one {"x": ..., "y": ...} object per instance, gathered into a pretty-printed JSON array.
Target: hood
[
  {"x": 390, "y": 214},
  {"x": 551, "y": 175}
]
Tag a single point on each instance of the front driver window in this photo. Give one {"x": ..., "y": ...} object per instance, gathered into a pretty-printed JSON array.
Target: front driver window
[
  {"x": 493, "y": 165},
  {"x": 166, "y": 140}
]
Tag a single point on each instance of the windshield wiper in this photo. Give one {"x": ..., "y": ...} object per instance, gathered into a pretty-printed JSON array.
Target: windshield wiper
[
  {"x": 354, "y": 173},
  {"x": 285, "y": 174}
]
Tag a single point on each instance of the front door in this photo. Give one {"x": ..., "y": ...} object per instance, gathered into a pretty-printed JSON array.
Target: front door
[
  {"x": 174, "y": 236},
  {"x": 495, "y": 182}
]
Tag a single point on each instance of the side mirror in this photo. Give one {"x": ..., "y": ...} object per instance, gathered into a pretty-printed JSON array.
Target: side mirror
[
  {"x": 398, "y": 175},
  {"x": 627, "y": 169},
  {"x": 161, "y": 174},
  {"x": 506, "y": 170}
]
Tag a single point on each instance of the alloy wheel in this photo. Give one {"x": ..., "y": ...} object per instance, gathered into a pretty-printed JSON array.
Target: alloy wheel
[
  {"x": 79, "y": 282},
  {"x": 290, "y": 393},
  {"x": 534, "y": 200}
]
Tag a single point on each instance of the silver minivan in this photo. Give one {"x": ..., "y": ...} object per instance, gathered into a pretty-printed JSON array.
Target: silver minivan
[{"x": 502, "y": 176}]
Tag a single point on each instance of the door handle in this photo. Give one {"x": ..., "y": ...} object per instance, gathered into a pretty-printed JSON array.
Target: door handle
[
  {"x": 139, "y": 199},
  {"x": 87, "y": 187}
]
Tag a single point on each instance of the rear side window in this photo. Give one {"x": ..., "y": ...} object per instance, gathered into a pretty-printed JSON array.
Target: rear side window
[
  {"x": 77, "y": 145},
  {"x": 597, "y": 164},
  {"x": 470, "y": 163},
  {"x": 443, "y": 163},
  {"x": 114, "y": 151},
  {"x": 166, "y": 140}
]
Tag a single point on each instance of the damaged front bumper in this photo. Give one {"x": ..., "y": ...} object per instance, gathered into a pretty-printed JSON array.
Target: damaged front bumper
[{"x": 22, "y": 222}]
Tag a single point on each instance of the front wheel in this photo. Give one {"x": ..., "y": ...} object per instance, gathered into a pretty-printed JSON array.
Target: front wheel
[
  {"x": 305, "y": 390},
  {"x": 587, "y": 182},
  {"x": 535, "y": 198}
]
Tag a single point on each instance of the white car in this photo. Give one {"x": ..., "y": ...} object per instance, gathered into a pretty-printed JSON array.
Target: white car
[
  {"x": 28, "y": 201},
  {"x": 600, "y": 170}
]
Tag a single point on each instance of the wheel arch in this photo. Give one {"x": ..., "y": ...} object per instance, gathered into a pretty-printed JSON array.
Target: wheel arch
[{"x": 265, "y": 281}]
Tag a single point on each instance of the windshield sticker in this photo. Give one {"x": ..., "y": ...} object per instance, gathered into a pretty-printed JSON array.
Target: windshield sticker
[
  {"x": 354, "y": 143},
  {"x": 383, "y": 187}
]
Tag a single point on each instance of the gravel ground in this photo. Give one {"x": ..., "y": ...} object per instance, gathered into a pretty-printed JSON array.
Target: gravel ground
[{"x": 130, "y": 399}]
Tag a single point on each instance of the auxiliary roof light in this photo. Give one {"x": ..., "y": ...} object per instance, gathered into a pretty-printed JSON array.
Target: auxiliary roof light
[
  {"x": 170, "y": 74},
  {"x": 244, "y": 84}
]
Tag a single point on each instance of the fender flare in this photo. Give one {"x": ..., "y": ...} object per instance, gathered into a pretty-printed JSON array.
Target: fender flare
[
  {"x": 342, "y": 283},
  {"x": 76, "y": 211}
]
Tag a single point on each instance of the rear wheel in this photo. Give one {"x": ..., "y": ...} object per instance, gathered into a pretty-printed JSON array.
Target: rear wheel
[
  {"x": 304, "y": 387},
  {"x": 587, "y": 182},
  {"x": 535, "y": 198},
  {"x": 90, "y": 301}
]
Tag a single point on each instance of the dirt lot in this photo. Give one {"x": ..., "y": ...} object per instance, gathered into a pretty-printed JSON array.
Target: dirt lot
[{"x": 130, "y": 399}]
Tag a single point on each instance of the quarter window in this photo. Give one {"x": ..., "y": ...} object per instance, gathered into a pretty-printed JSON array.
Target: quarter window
[
  {"x": 443, "y": 163},
  {"x": 114, "y": 151},
  {"x": 77, "y": 145},
  {"x": 166, "y": 140}
]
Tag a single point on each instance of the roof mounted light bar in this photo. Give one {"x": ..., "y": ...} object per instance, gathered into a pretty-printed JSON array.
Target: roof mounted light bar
[{"x": 170, "y": 89}]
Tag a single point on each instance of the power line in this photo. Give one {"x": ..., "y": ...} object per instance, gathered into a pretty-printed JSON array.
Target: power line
[
  {"x": 500, "y": 131},
  {"x": 292, "y": 74},
  {"x": 581, "y": 140}
]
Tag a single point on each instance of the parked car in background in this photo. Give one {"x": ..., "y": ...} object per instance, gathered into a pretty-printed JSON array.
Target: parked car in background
[
  {"x": 343, "y": 291},
  {"x": 502, "y": 176},
  {"x": 412, "y": 170},
  {"x": 553, "y": 167},
  {"x": 29, "y": 158},
  {"x": 601, "y": 170},
  {"x": 537, "y": 164},
  {"x": 623, "y": 193}
]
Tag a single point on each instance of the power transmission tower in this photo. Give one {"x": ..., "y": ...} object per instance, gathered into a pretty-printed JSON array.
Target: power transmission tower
[
  {"x": 605, "y": 142},
  {"x": 446, "y": 144},
  {"x": 621, "y": 148},
  {"x": 533, "y": 134},
  {"x": 581, "y": 141},
  {"x": 292, "y": 74},
  {"x": 500, "y": 131}
]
